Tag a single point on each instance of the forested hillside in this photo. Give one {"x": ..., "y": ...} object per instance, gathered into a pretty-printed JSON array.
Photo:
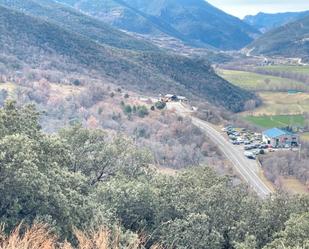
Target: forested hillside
[
  {"x": 77, "y": 22},
  {"x": 34, "y": 43},
  {"x": 87, "y": 180},
  {"x": 265, "y": 21},
  {"x": 195, "y": 22},
  {"x": 290, "y": 40}
]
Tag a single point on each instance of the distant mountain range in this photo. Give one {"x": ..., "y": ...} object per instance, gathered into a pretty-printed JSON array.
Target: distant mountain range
[
  {"x": 265, "y": 22},
  {"x": 194, "y": 22},
  {"x": 289, "y": 40},
  {"x": 37, "y": 35}
]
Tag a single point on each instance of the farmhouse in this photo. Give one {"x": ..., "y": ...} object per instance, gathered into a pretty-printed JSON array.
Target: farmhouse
[
  {"x": 172, "y": 97},
  {"x": 280, "y": 138}
]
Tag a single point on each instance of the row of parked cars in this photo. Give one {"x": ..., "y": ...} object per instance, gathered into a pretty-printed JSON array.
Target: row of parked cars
[{"x": 253, "y": 144}]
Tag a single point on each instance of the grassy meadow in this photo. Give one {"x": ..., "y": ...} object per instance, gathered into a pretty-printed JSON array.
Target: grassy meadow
[
  {"x": 277, "y": 121},
  {"x": 278, "y": 103},
  {"x": 280, "y": 107},
  {"x": 279, "y": 110},
  {"x": 259, "y": 82},
  {"x": 288, "y": 68}
]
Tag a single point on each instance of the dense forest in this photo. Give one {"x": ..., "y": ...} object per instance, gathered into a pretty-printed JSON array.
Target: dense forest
[{"x": 81, "y": 180}]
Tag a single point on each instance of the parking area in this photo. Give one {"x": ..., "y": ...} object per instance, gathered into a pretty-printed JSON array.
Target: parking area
[{"x": 251, "y": 143}]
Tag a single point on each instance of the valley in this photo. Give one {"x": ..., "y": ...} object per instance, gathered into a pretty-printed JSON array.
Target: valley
[
  {"x": 165, "y": 124},
  {"x": 283, "y": 89}
]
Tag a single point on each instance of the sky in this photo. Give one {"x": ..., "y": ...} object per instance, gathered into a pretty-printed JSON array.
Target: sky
[{"x": 241, "y": 8}]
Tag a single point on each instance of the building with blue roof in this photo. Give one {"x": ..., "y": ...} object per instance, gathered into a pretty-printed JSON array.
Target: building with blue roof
[{"x": 277, "y": 138}]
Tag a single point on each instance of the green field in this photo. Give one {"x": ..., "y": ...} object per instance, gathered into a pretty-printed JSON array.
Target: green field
[
  {"x": 259, "y": 82},
  {"x": 287, "y": 68},
  {"x": 277, "y": 121}
]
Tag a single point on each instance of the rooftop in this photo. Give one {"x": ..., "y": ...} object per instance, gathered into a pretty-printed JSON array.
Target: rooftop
[{"x": 276, "y": 132}]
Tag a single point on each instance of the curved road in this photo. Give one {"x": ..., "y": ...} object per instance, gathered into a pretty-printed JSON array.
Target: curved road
[{"x": 247, "y": 168}]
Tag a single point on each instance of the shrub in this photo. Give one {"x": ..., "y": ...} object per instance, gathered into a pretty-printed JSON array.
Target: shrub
[
  {"x": 127, "y": 109},
  {"x": 142, "y": 111},
  {"x": 160, "y": 105},
  {"x": 76, "y": 82}
]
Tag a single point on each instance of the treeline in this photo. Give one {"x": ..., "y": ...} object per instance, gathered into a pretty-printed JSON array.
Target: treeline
[
  {"x": 84, "y": 179},
  {"x": 284, "y": 74}
]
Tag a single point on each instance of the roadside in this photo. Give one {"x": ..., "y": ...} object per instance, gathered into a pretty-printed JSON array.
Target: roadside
[{"x": 246, "y": 168}]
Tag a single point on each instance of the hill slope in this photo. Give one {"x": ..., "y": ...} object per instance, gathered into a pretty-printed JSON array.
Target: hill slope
[
  {"x": 265, "y": 22},
  {"x": 195, "y": 22},
  {"x": 290, "y": 40},
  {"x": 26, "y": 42},
  {"x": 75, "y": 21}
]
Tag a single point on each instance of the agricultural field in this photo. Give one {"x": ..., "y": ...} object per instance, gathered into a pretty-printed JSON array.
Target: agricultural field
[
  {"x": 277, "y": 103},
  {"x": 287, "y": 68},
  {"x": 281, "y": 107},
  {"x": 259, "y": 82},
  {"x": 279, "y": 110},
  {"x": 277, "y": 121}
]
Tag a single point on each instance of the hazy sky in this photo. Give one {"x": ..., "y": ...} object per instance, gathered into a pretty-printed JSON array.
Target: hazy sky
[{"x": 241, "y": 8}]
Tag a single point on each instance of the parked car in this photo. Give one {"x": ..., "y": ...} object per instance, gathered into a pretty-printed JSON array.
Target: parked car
[
  {"x": 250, "y": 155},
  {"x": 248, "y": 147},
  {"x": 263, "y": 146}
]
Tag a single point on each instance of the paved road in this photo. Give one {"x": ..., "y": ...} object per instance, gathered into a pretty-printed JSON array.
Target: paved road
[{"x": 247, "y": 168}]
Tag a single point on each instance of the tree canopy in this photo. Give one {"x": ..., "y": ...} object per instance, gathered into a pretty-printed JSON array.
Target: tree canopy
[{"x": 84, "y": 179}]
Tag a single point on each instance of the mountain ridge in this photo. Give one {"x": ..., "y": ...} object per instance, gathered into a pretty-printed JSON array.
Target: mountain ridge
[
  {"x": 290, "y": 40},
  {"x": 265, "y": 22},
  {"x": 195, "y": 22}
]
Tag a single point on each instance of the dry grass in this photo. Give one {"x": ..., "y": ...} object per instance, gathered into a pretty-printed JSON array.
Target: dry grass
[
  {"x": 268, "y": 183},
  {"x": 39, "y": 236},
  {"x": 167, "y": 171},
  {"x": 262, "y": 176},
  {"x": 10, "y": 87},
  {"x": 275, "y": 103},
  {"x": 305, "y": 136},
  {"x": 65, "y": 90},
  {"x": 293, "y": 186}
]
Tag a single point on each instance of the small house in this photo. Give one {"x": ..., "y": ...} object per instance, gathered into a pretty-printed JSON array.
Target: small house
[
  {"x": 171, "y": 97},
  {"x": 280, "y": 138},
  {"x": 174, "y": 98},
  {"x": 182, "y": 99}
]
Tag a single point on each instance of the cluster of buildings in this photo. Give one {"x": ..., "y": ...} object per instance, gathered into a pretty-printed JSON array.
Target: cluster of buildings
[{"x": 279, "y": 138}]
